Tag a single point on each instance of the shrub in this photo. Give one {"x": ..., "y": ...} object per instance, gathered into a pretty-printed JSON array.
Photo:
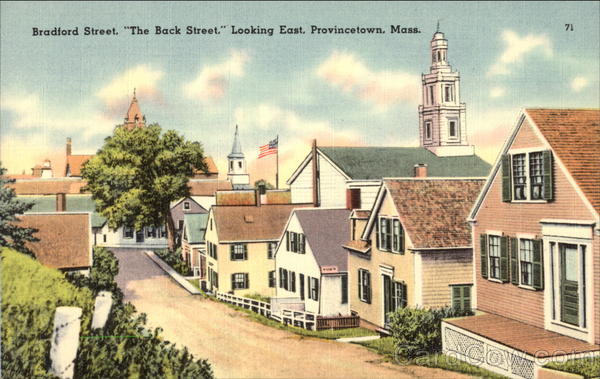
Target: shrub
[
  {"x": 124, "y": 348},
  {"x": 588, "y": 367},
  {"x": 102, "y": 274},
  {"x": 174, "y": 259},
  {"x": 417, "y": 331}
]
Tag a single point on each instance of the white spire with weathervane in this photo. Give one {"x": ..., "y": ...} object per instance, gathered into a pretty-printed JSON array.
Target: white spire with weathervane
[{"x": 236, "y": 170}]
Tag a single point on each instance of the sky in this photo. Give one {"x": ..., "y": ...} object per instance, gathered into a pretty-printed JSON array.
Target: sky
[{"x": 342, "y": 89}]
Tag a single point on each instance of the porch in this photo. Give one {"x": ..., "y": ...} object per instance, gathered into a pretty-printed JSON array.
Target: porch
[{"x": 507, "y": 346}]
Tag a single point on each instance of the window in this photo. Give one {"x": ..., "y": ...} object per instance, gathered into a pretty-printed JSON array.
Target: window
[
  {"x": 287, "y": 280},
  {"x": 519, "y": 176},
  {"x": 295, "y": 242},
  {"x": 127, "y": 232},
  {"x": 162, "y": 231},
  {"x": 239, "y": 252},
  {"x": 527, "y": 176},
  {"x": 452, "y": 129},
  {"x": 186, "y": 205},
  {"x": 211, "y": 249},
  {"x": 526, "y": 261},
  {"x": 398, "y": 237},
  {"x": 231, "y": 165},
  {"x": 240, "y": 164},
  {"x": 213, "y": 278},
  {"x": 494, "y": 252},
  {"x": 313, "y": 288},
  {"x": 272, "y": 280},
  {"x": 150, "y": 232},
  {"x": 390, "y": 235},
  {"x": 448, "y": 93},
  {"x": 344, "y": 281},
  {"x": 179, "y": 224},
  {"x": 364, "y": 285},
  {"x": 461, "y": 296},
  {"x": 428, "y": 129},
  {"x": 104, "y": 238},
  {"x": 399, "y": 296},
  {"x": 239, "y": 281},
  {"x": 271, "y": 246},
  {"x": 431, "y": 95}
]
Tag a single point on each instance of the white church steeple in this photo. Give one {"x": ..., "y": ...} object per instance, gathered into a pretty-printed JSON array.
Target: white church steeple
[
  {"x": 442, "y": 122},
  {"x": 236, "y": 170}
]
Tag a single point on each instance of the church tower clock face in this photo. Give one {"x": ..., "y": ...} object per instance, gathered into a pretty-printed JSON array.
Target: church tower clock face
[{"x": 442, "y": 121}]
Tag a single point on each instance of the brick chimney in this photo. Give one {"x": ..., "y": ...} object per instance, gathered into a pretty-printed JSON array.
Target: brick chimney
[
  {"x": 262, "y": 193},
  {"x": 421, "y": 170},
  {"x": 61, "y": 202},
  {"x": 69, "y": 146}
]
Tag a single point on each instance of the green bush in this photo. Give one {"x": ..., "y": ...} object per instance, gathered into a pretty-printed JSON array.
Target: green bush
[
  {"x": 124, "y": 348},
  {"x": 174, "y": 259},
  {"x": 417, "y": 331},
  {"x": 588, "y": 367},
  {"x": 102, "y": 274}
]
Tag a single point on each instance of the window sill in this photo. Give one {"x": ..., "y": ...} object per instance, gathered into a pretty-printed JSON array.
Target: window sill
[
  {"x": 496, "y": 280},
  {"x": 528, "y": 201},
  {"x": 569, "y": 326},
  {"x": 526, "y": 287}
]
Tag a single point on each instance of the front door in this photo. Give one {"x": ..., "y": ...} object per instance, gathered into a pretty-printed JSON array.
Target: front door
[
  {"x": 388, "y": 306},
  {"x": 139, "y": 236},
  {"x": 569, "y": 284}
]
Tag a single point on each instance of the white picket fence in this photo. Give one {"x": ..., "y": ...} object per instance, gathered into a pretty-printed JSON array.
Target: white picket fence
[{"x": 301, "y": 319}]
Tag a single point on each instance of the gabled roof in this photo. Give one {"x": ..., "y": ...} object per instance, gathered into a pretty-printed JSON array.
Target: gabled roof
[
  {"x": 252, "y": 223},
  {"x": 75, "y": 203},
  {"x": 326, "y": 230},
  {"x": 74, "y": 164},
  {"x": 48, "y": 186},
  {"x": 433, "y": 212},
  {"x": 64, "y": 239},
  {"x": 208, "y": 187},
  {"x": 574, "y": 135},
  {"x": 375, "y": 163},
  {"x": 195, "y": 226}
]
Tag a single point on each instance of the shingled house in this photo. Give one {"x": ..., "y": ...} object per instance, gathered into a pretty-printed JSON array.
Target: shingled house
[
  {"x": 415, "y": 250},
  {"x": 536, "y": 252}
]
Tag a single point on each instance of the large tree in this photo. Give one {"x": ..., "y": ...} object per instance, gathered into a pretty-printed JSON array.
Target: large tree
[
  {"x": 138, "y": 172},
  {"x": 11, "y": 234}
]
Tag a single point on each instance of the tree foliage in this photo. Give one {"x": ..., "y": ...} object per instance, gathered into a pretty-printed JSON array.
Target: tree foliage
[
  {"x": 267, "y": 185},
  {"x": 137, "y": 174},
  {"x": 11, "y": 234}
]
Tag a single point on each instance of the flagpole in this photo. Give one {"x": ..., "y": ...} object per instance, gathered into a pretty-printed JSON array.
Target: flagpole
[{"x": 277, "y": 165}]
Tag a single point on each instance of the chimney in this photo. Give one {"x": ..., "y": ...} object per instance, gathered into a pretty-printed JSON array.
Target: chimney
[
  {"x": 68, "y": 146},
  {"x": 315, "y": 174},
  {"x": 352, "y": 198},
  {"x": 257, "y": 197},
  {"x": 421, "y": 170},
  {"x": 61, "y": 202},
  {"x": 262, "y": 192}
]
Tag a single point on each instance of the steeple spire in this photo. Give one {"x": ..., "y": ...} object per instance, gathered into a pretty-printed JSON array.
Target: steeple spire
[
  {"x": 437, "y": 29},
  {"x": 236, "y": 149},
  {"x": 134, "y": 117},
  {"x": 236, "y": 172}
]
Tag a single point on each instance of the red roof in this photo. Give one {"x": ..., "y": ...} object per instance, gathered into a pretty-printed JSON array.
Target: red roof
[
  {"x": 574, "y": 135},
  {"x": 64, "y": 239},
  {"x": 47, "y": 186},
  {"x": 74, "y": 164},
  {"x": 208, "y": 187}
]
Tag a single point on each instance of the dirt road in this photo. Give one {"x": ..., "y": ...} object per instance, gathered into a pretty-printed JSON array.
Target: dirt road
[{"x": 238, "y": 347}]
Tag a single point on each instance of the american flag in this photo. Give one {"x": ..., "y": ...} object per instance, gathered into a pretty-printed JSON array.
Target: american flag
[{"x": 270, "y": 148}]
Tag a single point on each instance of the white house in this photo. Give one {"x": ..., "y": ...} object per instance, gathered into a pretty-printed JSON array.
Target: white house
[{"x": 311, "y": 264}]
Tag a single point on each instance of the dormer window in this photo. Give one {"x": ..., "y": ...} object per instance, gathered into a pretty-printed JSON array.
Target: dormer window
[
  {"x": 527, "y": 176},
  {"x": 390, "y": 235}
]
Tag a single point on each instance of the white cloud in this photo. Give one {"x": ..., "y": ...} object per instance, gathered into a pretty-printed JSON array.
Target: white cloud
[
  {"x": 497, "y": 92},
  {"x": 516, "y": 48},
  {"x": 143, "y": 78},
  {"x": 383, "y": 88},
  {"x": 213, "y": 80},
  {"x": 579, "y": 83}
]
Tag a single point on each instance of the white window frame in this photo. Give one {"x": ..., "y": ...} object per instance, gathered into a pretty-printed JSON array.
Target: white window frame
[
  {"x": 186, "y": 205},
  {"x": 527, "y": 152},
  {"x": 489, "y": 251},
  {"x": 456, "y": 129},
  {"x": 520, "y": 237},
  {"x": 361, "y": 284}
]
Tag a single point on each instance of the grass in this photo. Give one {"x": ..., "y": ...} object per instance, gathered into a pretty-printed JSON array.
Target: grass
[
  {"x": 195, "y": 283},
  {"x": 385, "y": 346},
  {"x": 588, "y": 367},
  {"x": 259, "y": 297}
]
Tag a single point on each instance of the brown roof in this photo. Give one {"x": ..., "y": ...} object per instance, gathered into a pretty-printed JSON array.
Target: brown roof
[
  {"x": 64, "y": 239},
  {"x": 574, "y": 135},
  {"x": 47, "y": 186},
  {"x": 279, "y": 197},
  {"x": 434, "y": 211},
  {"x": 75, "y": 162},
  {"x": 208, "y": 187},
  {"x": 235, "y": 198},
  {"x": 251, "y": 223}
]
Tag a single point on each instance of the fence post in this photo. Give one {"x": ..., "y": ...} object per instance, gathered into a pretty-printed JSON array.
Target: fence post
[
  {"x": 65, "y": 341},
  {"x": 101, "y": 309}
]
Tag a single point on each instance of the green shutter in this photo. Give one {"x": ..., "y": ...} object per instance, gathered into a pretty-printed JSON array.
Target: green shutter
[
  {"x": 506, "y": 182},
  {"x": 359, "y": 281},
  {"x": 231, "y": 250},
  {"x": 377, "y": 232},
  {"x": 514, "y": 261},
  {"x": 245, "y": 251},
  {"x": 504, "y": 259},
  {"x": 287, "y": 240},
  {"x": 538, "y": 265},
  {"x": 232, "y": 282},
  {"x": 484, "y": 256},
  {"x": 368, "y": 287},
  {"x": 548, "y": 177}
]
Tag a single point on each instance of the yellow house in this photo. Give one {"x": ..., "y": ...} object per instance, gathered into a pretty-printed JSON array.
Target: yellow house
[
  {"x": 240, "y": 246},
  {"x": 415, "y": 249}
]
